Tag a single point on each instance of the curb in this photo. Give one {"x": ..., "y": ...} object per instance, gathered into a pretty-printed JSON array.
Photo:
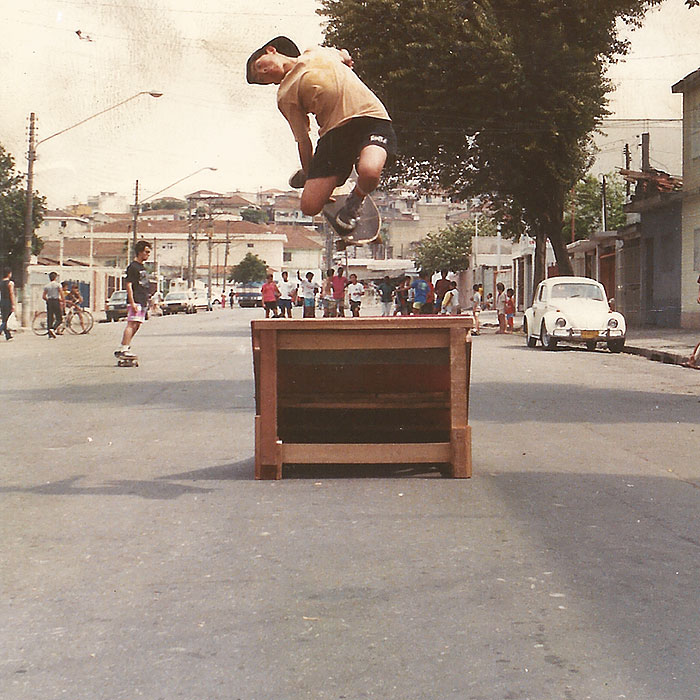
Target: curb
[{"x": 665, "y": 356}]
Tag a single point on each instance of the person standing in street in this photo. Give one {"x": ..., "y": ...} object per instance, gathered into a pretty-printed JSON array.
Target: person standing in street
[
  {"x": 8, "y": 301},
  {"x": 339, "y": 282},
  {"x": 327, "y": 300},
  {"x": 476, "y": 308},
  {"x": 53, "y": 296},
  {"x": 442, "y": 286},
  {"x": 308, "y": 290},
  {"x": 137, "y": 294},
  {"x": 355, "y": 292},
  {"x": 288, "y": 292},
  {"x": 386, "y": 292},
  {"x": 270, "y": 294},
  {"x": 500, "y": 305},
  {"x": 510, "y": 309}
]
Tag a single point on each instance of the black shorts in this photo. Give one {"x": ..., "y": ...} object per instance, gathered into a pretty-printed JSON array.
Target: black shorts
[{"x": 338, "y": 150}]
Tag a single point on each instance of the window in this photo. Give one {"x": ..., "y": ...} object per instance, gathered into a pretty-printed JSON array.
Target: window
[
  {"x": 251, "y": 245},
  {"x": 286, "y": 257}
]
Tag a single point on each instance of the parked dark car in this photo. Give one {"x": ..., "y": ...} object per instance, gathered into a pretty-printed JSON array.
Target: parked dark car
[
  {"x": 249, "y": 294},
  {"x": 117, "y": 306}
]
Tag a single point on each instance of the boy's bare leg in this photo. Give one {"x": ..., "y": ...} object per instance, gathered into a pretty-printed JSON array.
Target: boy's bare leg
[
  {"x": 129, "y": 332},
  {"x": 316, "y": 194},
  {"x": 369, "y": 169}
]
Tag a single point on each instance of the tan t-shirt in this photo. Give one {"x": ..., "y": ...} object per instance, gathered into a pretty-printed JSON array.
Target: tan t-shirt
[{"x": 322, "y": 85}]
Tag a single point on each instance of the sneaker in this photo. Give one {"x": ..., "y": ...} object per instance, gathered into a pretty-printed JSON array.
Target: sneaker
[
  {"x": 349, "y": 213},
  {"x": 52, "y": 333}
]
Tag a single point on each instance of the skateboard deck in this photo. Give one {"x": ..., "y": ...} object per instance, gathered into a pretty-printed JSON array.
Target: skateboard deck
[
  {"x": 368, "y": 224},
  {"x": 128, "y": 361}
]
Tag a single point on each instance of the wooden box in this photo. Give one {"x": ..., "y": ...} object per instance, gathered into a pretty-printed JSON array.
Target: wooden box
[{"x": 362, "y": 391}]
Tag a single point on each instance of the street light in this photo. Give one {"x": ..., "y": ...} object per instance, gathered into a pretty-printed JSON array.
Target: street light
[{"x": 28, "y": 214}]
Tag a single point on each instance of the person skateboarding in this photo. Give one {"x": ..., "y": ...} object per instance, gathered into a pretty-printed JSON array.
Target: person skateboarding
[
  {"x": 354, "y": 126},
  {"x": 138, "y": 293}
]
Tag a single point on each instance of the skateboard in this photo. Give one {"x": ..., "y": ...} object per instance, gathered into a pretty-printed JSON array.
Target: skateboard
[
  {"x": 127, "y": 361},
  {"x": 368, "y": 223}
]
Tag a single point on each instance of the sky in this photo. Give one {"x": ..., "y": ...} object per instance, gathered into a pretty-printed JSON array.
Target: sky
[{"x": 208, "y": 116}]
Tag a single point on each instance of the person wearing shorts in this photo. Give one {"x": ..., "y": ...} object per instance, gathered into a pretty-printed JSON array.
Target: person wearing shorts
[
  {"x": 288, "y": 291},
  {"x": 137, "y": 293},
  {"x": 354, "y": 126},
  {"x": 270, "y": 294}
]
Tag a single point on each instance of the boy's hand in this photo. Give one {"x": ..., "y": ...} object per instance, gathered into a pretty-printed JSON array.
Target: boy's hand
[{"x": 346, "y": 58}]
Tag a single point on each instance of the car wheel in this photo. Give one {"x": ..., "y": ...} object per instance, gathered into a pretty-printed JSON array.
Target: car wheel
[
  {"x": 530, "y": 340},
  {"x": 548, "y": 343},
  {"x": 616, "y": 344},
  {"x": 591, "y": 344}
]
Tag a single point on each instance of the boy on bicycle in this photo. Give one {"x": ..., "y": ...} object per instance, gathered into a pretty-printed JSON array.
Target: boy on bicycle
[{"x": 354, "y": 126}]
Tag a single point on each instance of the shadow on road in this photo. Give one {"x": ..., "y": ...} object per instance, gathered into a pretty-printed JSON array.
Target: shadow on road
[
  {"x": 156, "y": 490},
  {"x": 193, "y": 395},
  {"x": 537, "y": 401}
]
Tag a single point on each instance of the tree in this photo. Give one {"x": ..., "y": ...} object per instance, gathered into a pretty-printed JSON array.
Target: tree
[
  {"x": 250, "y": 269},
  {"x": 254, "y": 215},
  {"x": 495, "y": 97},
  {"x": 586, "y": 199},
  {"x": 165, "y": 203},
  {"x": 446, "y": 249},
  {"x": 13, "y": 200}
]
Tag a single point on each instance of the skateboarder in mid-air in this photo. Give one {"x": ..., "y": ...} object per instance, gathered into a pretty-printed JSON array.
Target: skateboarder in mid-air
[
  {"x": 137, "y": 293},
  {"x": 354, "y": 127}
]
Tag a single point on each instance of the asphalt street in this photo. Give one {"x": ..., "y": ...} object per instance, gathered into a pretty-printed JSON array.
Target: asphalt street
[{"x": 140, "y": 559}]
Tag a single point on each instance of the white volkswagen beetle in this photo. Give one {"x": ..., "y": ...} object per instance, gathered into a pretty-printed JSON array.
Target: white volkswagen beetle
[{"x": 574, "y": 310}]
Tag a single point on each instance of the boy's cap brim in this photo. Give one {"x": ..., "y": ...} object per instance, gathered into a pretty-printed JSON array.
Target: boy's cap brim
[{"x": 281, "y": 44}]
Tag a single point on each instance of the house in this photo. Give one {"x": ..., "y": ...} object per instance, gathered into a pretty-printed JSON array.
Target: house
[
  {"x": 650, "y": 250},
  {"x": 689, "y": 87},
  {"x": 58, "y": 224},
  {"x": 301, "y": 250}
]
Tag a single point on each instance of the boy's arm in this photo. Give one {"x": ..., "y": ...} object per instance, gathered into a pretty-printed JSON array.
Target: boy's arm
[
  {"x": 306, "y": 152},
  {"x": 130, "y": 295}
]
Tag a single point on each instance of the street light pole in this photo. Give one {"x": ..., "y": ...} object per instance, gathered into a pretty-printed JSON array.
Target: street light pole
[{"x": 29, "y": 205}]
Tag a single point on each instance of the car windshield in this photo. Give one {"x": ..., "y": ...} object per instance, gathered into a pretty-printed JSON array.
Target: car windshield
[
  {"x": 118, "y": 296},
  {"x": 176, "y": 295},
  {"x": 581, "y": 290}
]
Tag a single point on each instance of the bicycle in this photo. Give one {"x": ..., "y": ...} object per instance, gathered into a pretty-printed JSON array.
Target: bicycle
[{"x": 78, "y": 321}]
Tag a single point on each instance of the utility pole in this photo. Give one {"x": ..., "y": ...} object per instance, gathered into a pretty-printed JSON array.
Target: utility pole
[
  {"x": 28, "y": 220},
  {"x": 604, "y": 198},
  {"x": 210, "y": 245},
  {"x": 223, "y": 290},
  {"x": 646, "y": 165},
  {"x": 134, "y": 224},
  {"x": 628, "y": 163},
  {"x": 573, "y": 213},
  {"x": 189, "y": 244}
]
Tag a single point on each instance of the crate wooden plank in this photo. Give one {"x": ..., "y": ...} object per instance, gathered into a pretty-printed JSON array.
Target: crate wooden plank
[{"x": 369, "y": 453}]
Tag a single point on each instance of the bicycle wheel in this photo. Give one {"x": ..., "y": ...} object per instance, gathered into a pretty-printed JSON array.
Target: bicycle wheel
[
  {"x": 87, "y": 321},
  {"x": 39, "y": 324},
  {"x": 73, "y": 323}
]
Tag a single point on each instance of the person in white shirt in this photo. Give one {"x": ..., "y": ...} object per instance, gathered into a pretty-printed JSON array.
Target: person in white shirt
[
  {"x": 355, "y": 293},
  {"x": 288, "y": 291},
  {"x": 308, "y": 290},
  {"x": 450, "y": 302}
]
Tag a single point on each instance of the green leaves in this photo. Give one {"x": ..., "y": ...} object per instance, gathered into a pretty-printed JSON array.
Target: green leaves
[
  {"x": 12, "y": 211},
  {"x": 447, "y": 249},
  {"x": 250, "y": 269}
]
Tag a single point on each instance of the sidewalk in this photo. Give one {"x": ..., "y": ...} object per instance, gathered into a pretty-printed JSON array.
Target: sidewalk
[{"x": 670, "y": 345}]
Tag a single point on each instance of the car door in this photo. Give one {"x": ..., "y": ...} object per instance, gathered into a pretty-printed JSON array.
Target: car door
[{"x": 539, "y": 307}]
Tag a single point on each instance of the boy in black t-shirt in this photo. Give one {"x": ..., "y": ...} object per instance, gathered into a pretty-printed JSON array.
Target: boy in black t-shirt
[{"x": 137, "y": 292}]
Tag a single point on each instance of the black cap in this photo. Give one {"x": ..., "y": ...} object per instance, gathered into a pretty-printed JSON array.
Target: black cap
[{"x": 281, "y": 44}]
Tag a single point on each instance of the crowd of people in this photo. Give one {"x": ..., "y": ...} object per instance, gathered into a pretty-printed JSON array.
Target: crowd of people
[{"x": 405, "y": 296}]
